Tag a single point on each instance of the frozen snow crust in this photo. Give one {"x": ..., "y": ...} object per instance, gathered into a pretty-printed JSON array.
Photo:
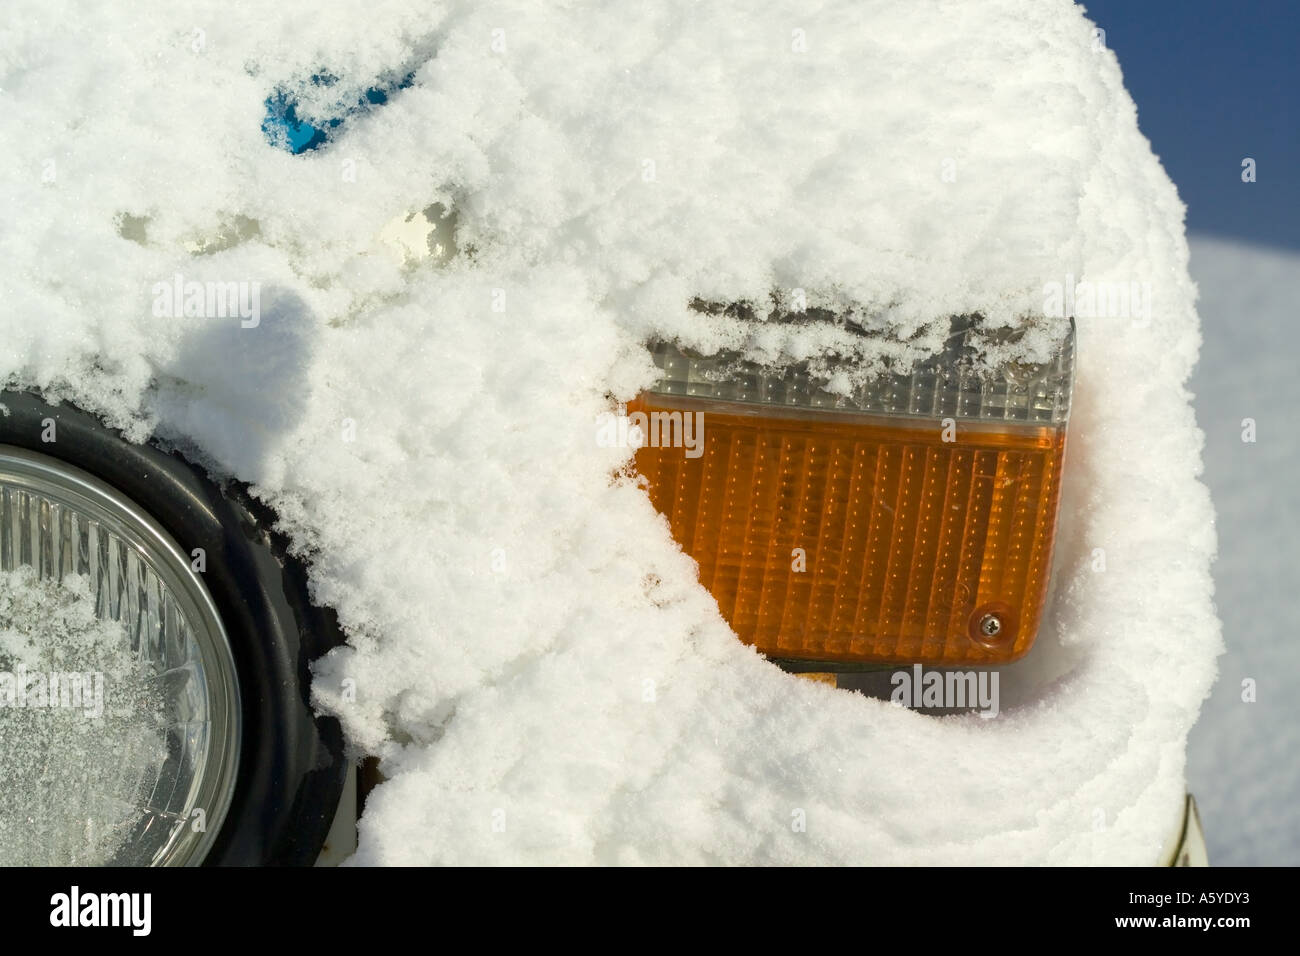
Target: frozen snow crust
[{"x": 531, "y": 654}]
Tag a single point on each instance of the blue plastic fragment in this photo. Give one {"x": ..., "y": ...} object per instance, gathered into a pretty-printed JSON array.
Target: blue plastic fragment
[{"x": 284, "y": 128}]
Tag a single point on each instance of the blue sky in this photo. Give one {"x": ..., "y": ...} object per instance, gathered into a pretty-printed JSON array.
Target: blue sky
[{"x": 1216, "y": 81}]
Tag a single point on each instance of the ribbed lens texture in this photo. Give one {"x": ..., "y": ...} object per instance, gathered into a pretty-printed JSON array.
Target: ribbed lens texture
[
  {"x": 835, "y": 538},
  {"x": 56, "y": 541},
  {"x": 948, "y": 384}
]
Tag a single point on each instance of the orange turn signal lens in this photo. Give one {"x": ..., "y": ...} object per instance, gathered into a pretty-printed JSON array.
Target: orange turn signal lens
[{"x": 829, "y": 535}]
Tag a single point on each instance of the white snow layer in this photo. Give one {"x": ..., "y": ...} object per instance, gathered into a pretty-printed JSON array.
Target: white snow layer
[
  {"x": 1241, "y": 762},
  {"x": 532, "y": 654}
]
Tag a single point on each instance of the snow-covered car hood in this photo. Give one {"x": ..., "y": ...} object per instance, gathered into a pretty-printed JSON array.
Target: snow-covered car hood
[{"x": 531, "y": 653}]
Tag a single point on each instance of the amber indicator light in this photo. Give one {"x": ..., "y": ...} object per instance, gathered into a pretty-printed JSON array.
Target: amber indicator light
[{"x": 849, "y": 538}]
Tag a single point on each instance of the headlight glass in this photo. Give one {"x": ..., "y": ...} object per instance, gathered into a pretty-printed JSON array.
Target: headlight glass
[{"x": 119, "y": 702}]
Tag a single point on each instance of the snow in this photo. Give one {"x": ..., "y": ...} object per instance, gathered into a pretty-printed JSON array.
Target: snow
[
  {"x": 532, "y": 656},
  {"x": 1240, "y": 759}
]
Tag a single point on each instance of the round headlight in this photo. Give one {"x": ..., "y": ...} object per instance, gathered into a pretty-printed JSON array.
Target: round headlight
[{"x": 119, "y": 701}]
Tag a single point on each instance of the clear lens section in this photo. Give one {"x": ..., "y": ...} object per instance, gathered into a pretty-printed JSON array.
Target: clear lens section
[
  {"x": 119, "y": 707},
  {"x": 948, "y": 385}
]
